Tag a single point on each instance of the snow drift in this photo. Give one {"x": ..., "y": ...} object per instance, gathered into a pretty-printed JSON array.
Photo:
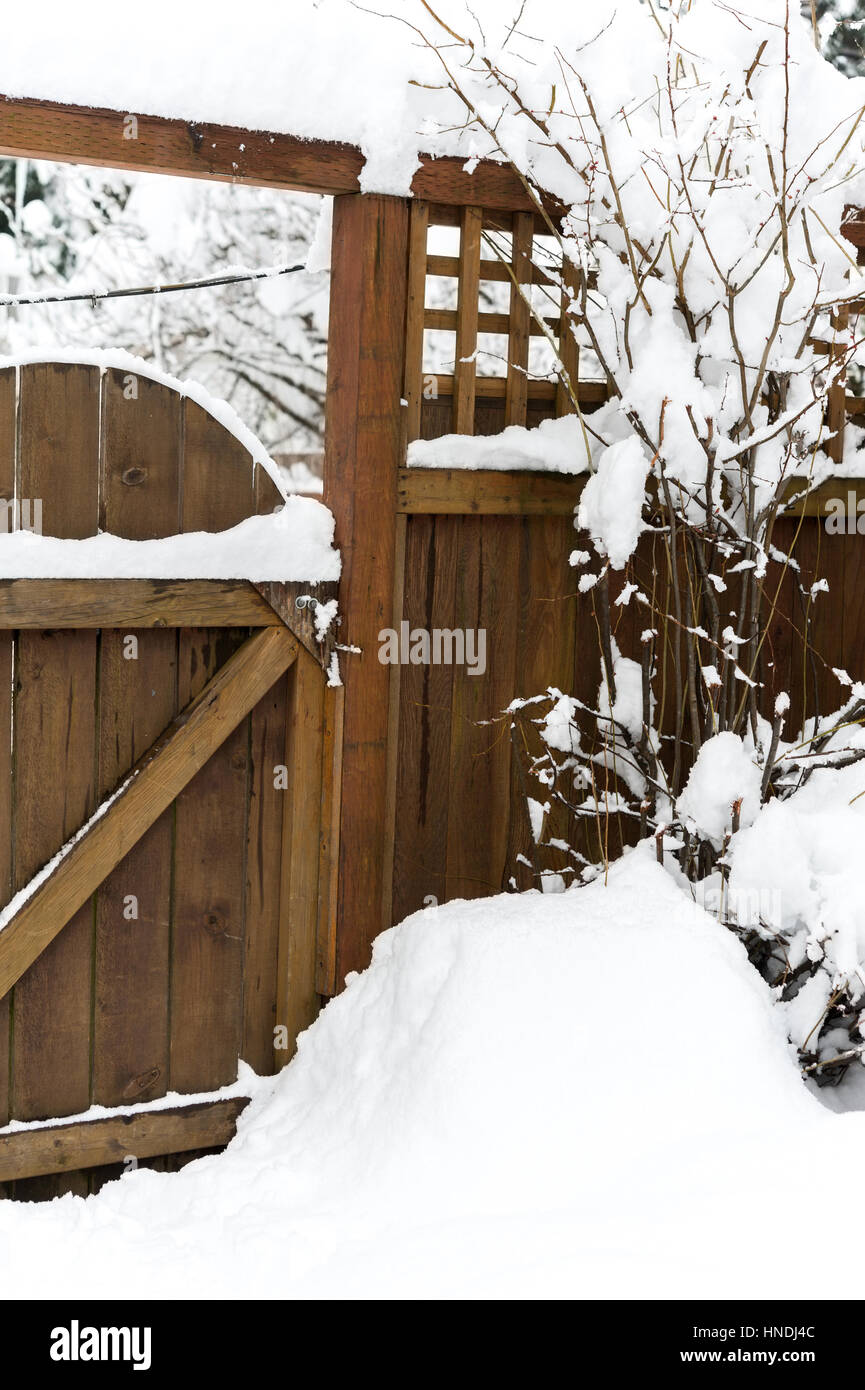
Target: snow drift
[{"x": 588, "y": 1094}]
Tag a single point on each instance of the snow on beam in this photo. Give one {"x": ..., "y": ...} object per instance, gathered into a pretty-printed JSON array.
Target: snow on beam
[
  {"x": 147, "y": 1132},
  {"x": 154, "y": 144}
]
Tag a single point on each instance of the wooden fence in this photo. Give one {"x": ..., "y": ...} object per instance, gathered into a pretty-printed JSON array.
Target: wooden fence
[
  {"x": 179, "y": 931},
  {"x": 432, "y": 805},
  {"x": 254, "y": 902}
]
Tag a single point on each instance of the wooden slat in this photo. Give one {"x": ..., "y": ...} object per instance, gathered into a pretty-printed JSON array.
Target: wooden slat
[
  {"x": 208, "y": 929},
  {"x": 132, "y": 603},
  {"x": 140, "y": 468},
  {"x": 297, "y": 1000},
  {"x": 569, "y": 351},
  {"x": 186, "y": 746},
  {"x": 818, "y": 502},
  {"x": 516, "y": 391},
  {"x": 326, "y": 981},
  {"x": 466, "y": 490},
  {"x": 364, "y": 446},
  {"x": 836, "y": 404},
  {"x": 137, "y": 701},
  {"x": 466, "y": 317},
  {"x": 268, "y": 808},
  {"x": 414, "y": 318},
  {"x": 211, "y": 816},
  {"x": 425, "y": 720},
  {"x": 87, "y": 135},
  {"x": 218, "y": 474},
  {"x": 8, "y": 431},
  {"x": 55, "y": 747},
  {"x": 448, "y": 268},
  {"x": 590, "y": 393},
  {"x": 141, "y": 432},
  {"x": 480, "y": 751},
  {"x": 487, "y": 322},
  {"x": 92, "y": 1143},
  {"x": 391, "y": 798}
]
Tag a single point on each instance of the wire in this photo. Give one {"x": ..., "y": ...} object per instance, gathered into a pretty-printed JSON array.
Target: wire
[{"x": 12, "y": 301}]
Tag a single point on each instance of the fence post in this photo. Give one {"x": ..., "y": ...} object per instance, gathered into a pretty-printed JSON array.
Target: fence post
[{"x": 364, "y": 447}]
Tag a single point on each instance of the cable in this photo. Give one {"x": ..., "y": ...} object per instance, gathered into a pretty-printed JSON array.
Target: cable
[{"x": 12, "y": 301}]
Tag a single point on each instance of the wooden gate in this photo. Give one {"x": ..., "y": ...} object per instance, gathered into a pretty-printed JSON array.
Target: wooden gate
[{"x": 180, "y": 728}]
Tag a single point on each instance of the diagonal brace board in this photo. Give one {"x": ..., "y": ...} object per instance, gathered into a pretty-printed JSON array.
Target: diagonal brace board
[{"x": 37, "y": 914}]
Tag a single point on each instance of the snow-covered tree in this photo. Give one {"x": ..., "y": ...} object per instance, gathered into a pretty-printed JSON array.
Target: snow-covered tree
[
  {"x": 693, "y": 161},
  {"x": 261, "y": 345}
]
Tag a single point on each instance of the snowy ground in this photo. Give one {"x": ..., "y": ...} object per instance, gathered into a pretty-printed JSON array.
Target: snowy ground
[{"x": 583, "y": 1095}]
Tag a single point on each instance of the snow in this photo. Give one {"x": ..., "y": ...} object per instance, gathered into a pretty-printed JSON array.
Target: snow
[
  {"x": 724, "y": 772},
  {"x": 294, "y": 543},
  {"x": 611, "y": 505},
  {"x": 471, "y": 1119},
  {"x": 554, "y": 446}
]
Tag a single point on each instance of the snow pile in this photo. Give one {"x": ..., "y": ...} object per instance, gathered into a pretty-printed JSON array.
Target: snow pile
[
  {"x": 472, "y": 1117},
  {"x": 797, "y": 871},
  {"x": 553, "y": 446},
  {"x": 294, "y": 543},
  {"x": 725, "y": 772},
  {"x": 611, "y": 506}
]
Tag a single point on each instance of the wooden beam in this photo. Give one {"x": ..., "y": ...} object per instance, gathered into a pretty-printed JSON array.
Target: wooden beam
[
  {"x": 131, "y": 603},
  {"x": 823, "y": 500},
  {"x": 30, "y": 1153},
  {"x": 488, "y": 322},
  {"x": 33, "y": 129},
  {"x": 364, "y": 447},
  {"x": 154, "y": 782},
  {"x": 469, "y": 491},
  {"x": 493, "y": 388}
]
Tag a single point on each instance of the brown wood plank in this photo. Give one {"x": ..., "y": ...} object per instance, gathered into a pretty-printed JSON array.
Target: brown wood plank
[
  {"x": 218, "y": 474},
  {"x": 207, "y": 948},
  {"x": 137, "y": 701},
  {"x": 208, "y": 945},
  {"x": 414, "y": 325},
  {"x": 201, "y": 728},
  {"x": 494, "y": 388},
  {"x": 59, "y": 428},
  {"x": 8, "y": 431},
  {"x": 297, "y": 998},
  {"x": 457, "y": 491},
  {"x": 268, "y": 806},
  {"x": 326, "y": 982},
  {"x": 480, "y": 757},
  {"x": 516, "y": 389},
  {"x": 569, "y": 352},
  {"x": 87, "y": 135},
  {"x": 141, "y": 433},
  {"x": 268, "y": 497},
  {"x": 54, "y": 711},
  {"x": 93, "y": 1143},
  {"x": 448, "y": 267},
  {"x": 466, "y": 320},
  {"x": 425, "y": 720},
  {"x": 140, "y": 462},
  {"x": 487, "y": 322},
  {"x": 364, "y": 446},
  {"x": 132, "y": 603},
  {"x": 545, "y": 657}
]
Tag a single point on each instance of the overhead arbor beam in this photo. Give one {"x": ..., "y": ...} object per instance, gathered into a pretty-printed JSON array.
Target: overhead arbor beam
[{"x": 154, "y": 144}]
